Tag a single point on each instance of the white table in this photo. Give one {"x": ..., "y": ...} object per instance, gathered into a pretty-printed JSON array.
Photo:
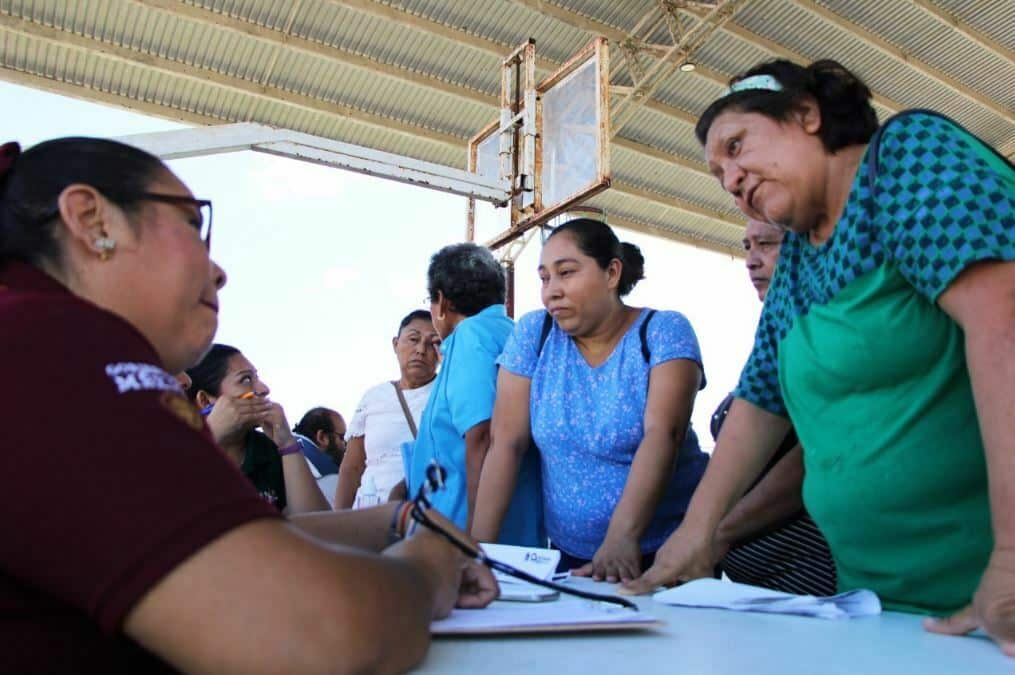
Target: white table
[{"x": 721, "y": 642}]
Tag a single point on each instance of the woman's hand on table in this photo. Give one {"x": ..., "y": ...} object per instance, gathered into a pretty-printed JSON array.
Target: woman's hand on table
[
  {"x": 459, "y": 581},
  {"x": 992, "y": 608},
  {"x": 618, "y": 559},
  {"x": 684, "y": 557}
]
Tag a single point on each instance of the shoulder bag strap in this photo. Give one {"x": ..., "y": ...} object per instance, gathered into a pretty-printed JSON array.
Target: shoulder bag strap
[
  {"x": 547, "y": 325},
  {"x": 646, "y": 353},
  {"x": 405, "y": 408}
]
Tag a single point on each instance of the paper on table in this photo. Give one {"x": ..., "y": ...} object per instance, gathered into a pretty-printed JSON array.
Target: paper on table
[
  {"x": 564, "y": 615},
  {"x": 743, "y": 598}
]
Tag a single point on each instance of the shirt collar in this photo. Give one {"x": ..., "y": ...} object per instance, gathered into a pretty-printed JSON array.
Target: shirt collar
[
  {"x": 20, "y": 276},
  {"x": 490, "y": 311},
  {"x": 494, "y": 310}
]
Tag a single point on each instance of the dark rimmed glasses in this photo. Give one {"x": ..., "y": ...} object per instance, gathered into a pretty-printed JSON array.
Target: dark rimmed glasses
[{"x": 200, "y": 220}]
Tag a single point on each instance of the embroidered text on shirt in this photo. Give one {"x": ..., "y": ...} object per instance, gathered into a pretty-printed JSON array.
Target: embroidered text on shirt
[{"x": 141, "y": 377}]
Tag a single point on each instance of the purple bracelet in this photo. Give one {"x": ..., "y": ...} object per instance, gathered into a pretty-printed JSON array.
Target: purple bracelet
[{"x": 290, "y": 449}]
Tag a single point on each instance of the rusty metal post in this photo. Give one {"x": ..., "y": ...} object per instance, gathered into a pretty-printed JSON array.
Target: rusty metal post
[
  {"x": 509, "y": 276},
  {"x": 470, "y": 219}
]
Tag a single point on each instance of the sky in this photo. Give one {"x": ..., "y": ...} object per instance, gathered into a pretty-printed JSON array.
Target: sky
[{"x": 322, "y": 264}]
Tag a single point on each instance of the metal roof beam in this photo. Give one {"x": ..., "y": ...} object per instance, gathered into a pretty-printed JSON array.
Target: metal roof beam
[
  {"x": 319, "y": 150},
  {"x": 613, "y": 33},
  {"x": 180, "y": 115},
  {"x": 436, "y": 28},
  {"x": 671, "y": 202},
  {"x": 176, "y": 68},
  {"x": 665, "y": 233},
  {"x": 1008, "y": 149},
  {"x": 282, "y": 40},
  {"x": 885, "y": 47},
  {"x": 778, "y": 50},
  {"x": 985, "y": 42},
  {"x": 657, "y": 74},
  {"x": 84, "y": 93},
  {"x": 489, "y": 46},
  {"x": 116, "y": 52}
]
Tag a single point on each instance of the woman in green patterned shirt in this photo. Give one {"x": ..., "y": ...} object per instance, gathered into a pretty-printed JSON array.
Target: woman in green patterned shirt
[{"x": 887, "y": 340}]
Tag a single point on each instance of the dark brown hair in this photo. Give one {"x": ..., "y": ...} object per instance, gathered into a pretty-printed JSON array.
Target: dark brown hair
[
  {"x": 31, "y": 183},
  {"x": 847, "y": 117}
]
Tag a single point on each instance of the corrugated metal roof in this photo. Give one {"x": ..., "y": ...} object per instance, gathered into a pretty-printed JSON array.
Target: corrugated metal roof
[{"x": 418, "y": 77}]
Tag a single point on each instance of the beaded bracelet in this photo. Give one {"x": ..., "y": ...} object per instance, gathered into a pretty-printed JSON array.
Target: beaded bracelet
[{"x": 290, "y": 449}]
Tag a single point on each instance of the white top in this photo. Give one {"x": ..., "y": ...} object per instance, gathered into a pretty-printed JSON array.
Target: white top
[
  {"x": 380, "y": 421},
  {"x": 720, "y": 642}
]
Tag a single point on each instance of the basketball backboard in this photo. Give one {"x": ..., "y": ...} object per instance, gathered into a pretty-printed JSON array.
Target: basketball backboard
[{"x": 552, "y": 139}]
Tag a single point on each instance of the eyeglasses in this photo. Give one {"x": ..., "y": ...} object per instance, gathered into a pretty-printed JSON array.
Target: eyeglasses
[{"x": 201, "y": 221}]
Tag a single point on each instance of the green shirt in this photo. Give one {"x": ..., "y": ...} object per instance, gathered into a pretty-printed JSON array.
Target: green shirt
[
  {"x": 263, "y": 466},
  {"x": 854, "y": 349}
]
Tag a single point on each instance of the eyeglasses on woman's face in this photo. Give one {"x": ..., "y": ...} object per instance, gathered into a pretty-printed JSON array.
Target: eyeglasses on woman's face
[{"x": 199, "y": 211}]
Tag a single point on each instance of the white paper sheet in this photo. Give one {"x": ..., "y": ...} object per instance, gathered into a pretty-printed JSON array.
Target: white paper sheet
[
  {"x": 565, "y": 614},
  {"x": 716, "y": 594}
]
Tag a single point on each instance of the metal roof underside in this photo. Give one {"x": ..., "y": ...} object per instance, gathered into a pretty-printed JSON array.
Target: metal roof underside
[{"x": 419, "y": 77}]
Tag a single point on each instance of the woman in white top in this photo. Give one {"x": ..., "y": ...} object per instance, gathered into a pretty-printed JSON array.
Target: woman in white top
[{"x": 373, "y": 457}]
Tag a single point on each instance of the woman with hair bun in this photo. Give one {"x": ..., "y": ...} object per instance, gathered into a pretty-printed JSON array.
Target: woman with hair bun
[
  {"x": 606, "y": 391},
  {"x": 887, "y": 340}
]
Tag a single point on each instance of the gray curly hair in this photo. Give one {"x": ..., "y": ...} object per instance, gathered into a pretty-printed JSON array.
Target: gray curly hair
[{"x": 469, "y": 277}]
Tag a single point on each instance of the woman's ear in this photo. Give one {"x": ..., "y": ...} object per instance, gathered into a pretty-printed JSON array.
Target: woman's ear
[
  {"x": 203, "y": 399},
  {"x": 84, "y": 212},
  {"x": 808, "y": 115},
  {"x": 613, "y": 272}
]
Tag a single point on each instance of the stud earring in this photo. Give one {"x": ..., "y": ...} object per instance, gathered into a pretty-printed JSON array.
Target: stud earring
[{"x": 106, "y": 245}]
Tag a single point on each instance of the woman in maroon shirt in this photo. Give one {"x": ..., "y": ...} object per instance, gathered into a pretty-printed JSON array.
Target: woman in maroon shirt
[{"x": 130, "y": 542}]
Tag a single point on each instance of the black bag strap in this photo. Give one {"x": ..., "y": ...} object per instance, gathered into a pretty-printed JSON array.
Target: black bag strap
[
  {"x": 642, "y": 333},
  {"x": 405, "y": 408},
  {"x": 547, "y": 325},
  {"x": 875, "y": 144}
]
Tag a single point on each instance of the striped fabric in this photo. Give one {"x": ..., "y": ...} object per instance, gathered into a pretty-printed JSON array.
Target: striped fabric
[{"x": 793, "y": 558}]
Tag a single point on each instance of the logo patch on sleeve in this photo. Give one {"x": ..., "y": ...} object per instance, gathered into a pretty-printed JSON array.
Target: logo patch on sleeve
[
  {"x": 141, "y": 377},
  {"x": 182, "y": 408}
]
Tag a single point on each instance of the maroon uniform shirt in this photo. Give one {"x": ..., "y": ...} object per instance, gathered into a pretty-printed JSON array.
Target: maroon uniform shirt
[{"x": 110, "y": 479}]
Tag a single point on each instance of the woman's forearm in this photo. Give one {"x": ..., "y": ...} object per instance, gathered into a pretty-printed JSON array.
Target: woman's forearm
[
  {"x": 368, "y": 529},
  {"x": 496, "y": 485},
  {"x": 749, "y": 438},
  {"x": 650, "y": 473},
  {"x": 477, "y": 444},
  {"x": 982, "y": 301},
  {"x": 302, "y": 492},
  {"x": 349, "y": 473},
  {"x": 768, "y": 504}
]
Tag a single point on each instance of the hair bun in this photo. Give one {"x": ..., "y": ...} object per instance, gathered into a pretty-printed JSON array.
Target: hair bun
[
  {"x": 634, "y": 268},
  {"x": 832, "y": 81}
]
